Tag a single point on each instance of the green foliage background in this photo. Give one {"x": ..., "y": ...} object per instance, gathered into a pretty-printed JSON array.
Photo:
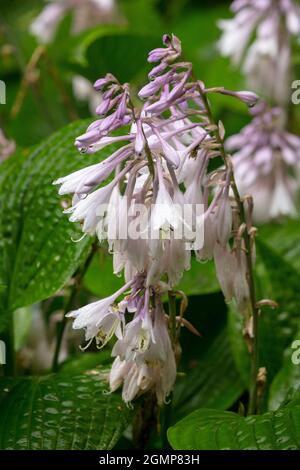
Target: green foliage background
[{"x": 71, "y": 408}]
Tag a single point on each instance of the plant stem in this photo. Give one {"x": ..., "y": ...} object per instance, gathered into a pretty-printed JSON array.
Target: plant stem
[
  {"x": 248, "y": 252},
  {"x": 172, "y": 318},
  {"x": 69, "y": 305}
]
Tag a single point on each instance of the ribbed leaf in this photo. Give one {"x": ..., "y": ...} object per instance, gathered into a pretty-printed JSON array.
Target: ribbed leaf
[
  {"x": 37, "y": 252},
  {"x": 61, "y": 412},
  {"x": 287, "y": 381},
  {"x": 208, "y": 429},
  {"x": 214, "y": 382},
  {"x": 278, "y": 327},
  {"x": 284, "y": 239}
]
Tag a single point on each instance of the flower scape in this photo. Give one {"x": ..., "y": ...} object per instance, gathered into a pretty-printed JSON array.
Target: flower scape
[{"x": 163, "y": 164}]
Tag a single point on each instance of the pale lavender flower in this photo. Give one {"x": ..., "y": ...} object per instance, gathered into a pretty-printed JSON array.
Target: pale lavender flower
[
  {"x": 86, "y": 14},
  {"x": 144, "y": 359},
  {"x": 266, "y": 160},
  {"x": 259, "y": 37},
  {"x": 162, "y": 164}
]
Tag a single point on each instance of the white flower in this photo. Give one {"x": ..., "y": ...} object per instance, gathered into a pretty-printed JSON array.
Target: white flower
[
  {"x": 101, "y": 320},
  {"x": 151, "y": 366},
  {"x": 44, "y": 26},
  {"x": 259, "y": 37}
]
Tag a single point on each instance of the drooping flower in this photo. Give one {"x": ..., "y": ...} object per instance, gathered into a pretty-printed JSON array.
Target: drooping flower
[
  {"x": 147, "y": 361},
  {"x": 160, "y": 167},
  {"x": 260, "y": 38},
  {"x": 266, "y": 160},
  {"x": 86, "y": 14}
]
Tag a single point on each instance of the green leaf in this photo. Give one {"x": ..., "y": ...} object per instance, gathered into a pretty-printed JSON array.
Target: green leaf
[
  {"x": 208, "y": 429},
  {"x": 63, "y": 412},
  {"x": 86, "y": 361},
  {"x": 287, "y": 381},
  {"x": 116, "y": 50},
  {"x": 238, "y": 346},
  {"x": 214, "y": 382},
  {"x": 284, "y": 240},
  {"x": 100, "y": 278},
  {"x": 200, "y": 279},
  {"x": 280, "y": 282},
  {"x": 37, "y": 251}
]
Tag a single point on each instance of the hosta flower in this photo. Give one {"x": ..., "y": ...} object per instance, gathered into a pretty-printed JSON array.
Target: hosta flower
[
  {"x": 86, "y": 14},
  {"x": 100, "y": 320},
  {"x": 259, "y": 36},
  {"x": 266, "y": 160},
  {"x": 149, "y": 212},
  {"x": 148, "y": 363}
]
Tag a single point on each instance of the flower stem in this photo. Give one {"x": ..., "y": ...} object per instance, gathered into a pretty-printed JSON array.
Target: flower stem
[
  {"x": 252, "y": 408},
  {"x": 172, "y": 318}
]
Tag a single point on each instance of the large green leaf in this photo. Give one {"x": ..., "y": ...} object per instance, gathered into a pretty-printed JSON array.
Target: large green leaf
[
  {"x": 37, "y": 251},
  {"x": 208, "y": 429},
  {"x": 238, "y": 345},
  {"x": 200, "y": 279},
  {"x": 214, "y": 382},
  {"x": 276, "y": 279},
  {"x": 280, "y": 282},
  {"x": 284, "y": 239},
  {"x": 116, "y": 50},
  {"x": 287, "y": 381},
  {"x": 61, "y": 412}
]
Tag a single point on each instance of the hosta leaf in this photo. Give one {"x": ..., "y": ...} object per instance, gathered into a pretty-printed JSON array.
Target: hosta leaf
[
  {"x": 37, "y": 252},
  {"x": 200, "y": 279},
  {"x": 208, "y": 429},
  {"x": 287, "y": 380},
  {"x": 116, "y": 50},
  {"x": 214, "y": 382},
  {"x": 277, "y": 327},
  {"x": 86, "y": 361},
  {"x": 61, "y": 411},
  {"x": 238, "y": 345},
  {"x": 284, "y": 239}
]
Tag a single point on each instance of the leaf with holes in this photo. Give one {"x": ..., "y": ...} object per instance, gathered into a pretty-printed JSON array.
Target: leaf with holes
[
  {"x": 208, "y": 429},
  {"x": 38, "y": 254},
  {"x": 62, "y": 411}
]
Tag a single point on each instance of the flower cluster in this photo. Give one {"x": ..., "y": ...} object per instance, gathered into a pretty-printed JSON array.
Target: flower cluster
[
  {"x": 267, "y": 163},
  {"x": 259, "y": 36},
  {"x": 161, "y": 163},
  {"x": 86, "y": 13}
]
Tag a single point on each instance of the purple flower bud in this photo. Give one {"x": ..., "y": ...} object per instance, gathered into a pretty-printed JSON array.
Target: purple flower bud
[
  {"x": 103, "y": 107},
  {"x": 104, "y": 81},
  {"x": 157, "y": 70},
  {"x": 140, "y": 140},
  {"x": 247, "y": 97},
  {"x": 157, "y": 54},
  {"x": 122, "y": 108},
  {"x": 87, "y": 138}
]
